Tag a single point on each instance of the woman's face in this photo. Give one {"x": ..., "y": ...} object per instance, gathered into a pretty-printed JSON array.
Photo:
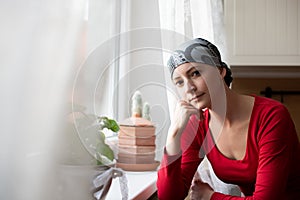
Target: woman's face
[{"x": 191, "y": 81}]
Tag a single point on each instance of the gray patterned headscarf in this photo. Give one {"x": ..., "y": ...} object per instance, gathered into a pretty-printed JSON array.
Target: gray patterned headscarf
[{"x": 197, "y": 50}]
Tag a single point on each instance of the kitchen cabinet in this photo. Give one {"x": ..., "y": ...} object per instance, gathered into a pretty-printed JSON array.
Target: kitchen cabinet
[{"x": 263, "y": 32}]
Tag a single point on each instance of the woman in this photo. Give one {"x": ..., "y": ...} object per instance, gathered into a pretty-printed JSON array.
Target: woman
[{"x": 250, "y": 141}]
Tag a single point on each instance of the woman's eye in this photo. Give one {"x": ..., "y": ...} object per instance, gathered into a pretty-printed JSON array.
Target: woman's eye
[
  {"x": 195, "y": 74},
  {"x": 179, "y": 83}
]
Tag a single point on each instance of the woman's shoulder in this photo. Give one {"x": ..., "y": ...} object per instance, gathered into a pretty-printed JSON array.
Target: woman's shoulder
[
  {"x": 265, "y": 100},
  {"x": 268, "y": 110},
  {"x": 264, "y": 104}
]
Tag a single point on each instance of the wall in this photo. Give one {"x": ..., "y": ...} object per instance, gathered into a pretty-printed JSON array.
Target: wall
[{"x": 256, "y": 85}]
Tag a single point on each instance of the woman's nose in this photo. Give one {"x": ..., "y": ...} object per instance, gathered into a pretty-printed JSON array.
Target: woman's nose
[{"x": 190, "y": 86}]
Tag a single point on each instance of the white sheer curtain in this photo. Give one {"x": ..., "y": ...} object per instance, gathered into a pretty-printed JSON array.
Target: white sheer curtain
[
  {"x": 55, "y": 53},
  {"x": 191, "y": 18},
  {"x": 44, "y": 44},
  {"x": 194, "y": 18}
]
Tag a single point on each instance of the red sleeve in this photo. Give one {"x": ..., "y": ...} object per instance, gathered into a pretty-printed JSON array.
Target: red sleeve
[
  {"x": 176, "y": 172},
  {"x": 275, "y": 141}
]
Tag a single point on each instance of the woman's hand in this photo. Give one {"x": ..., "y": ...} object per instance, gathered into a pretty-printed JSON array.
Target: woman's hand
[
  {"x": 182, "y": 114},
  {"x": 200, "y": 190}
]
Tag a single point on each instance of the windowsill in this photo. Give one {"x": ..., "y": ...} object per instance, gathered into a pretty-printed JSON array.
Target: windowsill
[{"x": 141, "y": 185}]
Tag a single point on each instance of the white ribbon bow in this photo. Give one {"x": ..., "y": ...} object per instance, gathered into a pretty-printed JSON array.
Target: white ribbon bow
[{"x": 103, "y": 181}]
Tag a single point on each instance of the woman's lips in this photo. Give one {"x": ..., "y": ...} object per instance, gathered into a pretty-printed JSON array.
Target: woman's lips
[{"x": 196, "y": 97}]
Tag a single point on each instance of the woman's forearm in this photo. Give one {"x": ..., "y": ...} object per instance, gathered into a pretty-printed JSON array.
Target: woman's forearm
[{"x": 173, "y": 141}]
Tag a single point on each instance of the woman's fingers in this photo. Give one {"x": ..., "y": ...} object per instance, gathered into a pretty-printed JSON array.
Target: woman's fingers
[{"x": 185, "y": 109}]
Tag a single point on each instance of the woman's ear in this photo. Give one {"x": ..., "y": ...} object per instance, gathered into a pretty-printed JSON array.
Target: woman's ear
[{"x": 222, "y": 71}]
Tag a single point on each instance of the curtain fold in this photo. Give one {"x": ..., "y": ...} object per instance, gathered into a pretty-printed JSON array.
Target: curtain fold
[
  {"x": 219, "y": 32},
  {"x": 41, "y": 45}
]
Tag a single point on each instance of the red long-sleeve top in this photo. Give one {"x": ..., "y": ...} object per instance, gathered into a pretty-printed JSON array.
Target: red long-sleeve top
[{"x": 270, "y": 169}]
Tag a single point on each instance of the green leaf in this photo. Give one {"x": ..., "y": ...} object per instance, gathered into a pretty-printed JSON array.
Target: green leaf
[
  {"x": 102, "y": 136},
  {"x": 113, "y": 125},
  {"x": 104, "y": 153},
  {"x": 109, "y": 124},
  {"x": 104, "y": 150}
]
